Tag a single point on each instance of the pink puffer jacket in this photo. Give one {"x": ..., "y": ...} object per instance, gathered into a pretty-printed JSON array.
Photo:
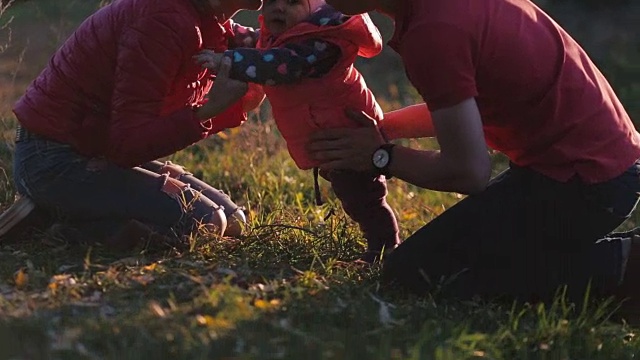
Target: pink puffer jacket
[{"x": 302, "y": 108}]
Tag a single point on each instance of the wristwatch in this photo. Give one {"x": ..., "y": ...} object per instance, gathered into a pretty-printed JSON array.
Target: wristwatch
[{"x": 381, "y": 159}]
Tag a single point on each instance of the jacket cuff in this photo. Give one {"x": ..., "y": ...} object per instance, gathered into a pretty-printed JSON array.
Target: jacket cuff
[{"x": 232, "y": 117}]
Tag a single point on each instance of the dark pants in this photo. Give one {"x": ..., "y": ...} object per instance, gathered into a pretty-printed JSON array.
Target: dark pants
[
  {"x": 523, "y": 237},
  {"x": 98, "y": 198},
  {"x": 363, "y": 197}
]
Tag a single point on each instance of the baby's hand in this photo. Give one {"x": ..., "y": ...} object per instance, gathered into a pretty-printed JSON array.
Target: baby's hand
[{"x": 209, "y": 59}]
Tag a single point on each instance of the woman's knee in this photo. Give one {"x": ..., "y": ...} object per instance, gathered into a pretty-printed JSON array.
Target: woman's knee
[
  {"x": 214, "y": 219},
  {"x": 207, "y": 215},
  {"x": 236, "y": 223},
  {"x": 217, "y": 222}
]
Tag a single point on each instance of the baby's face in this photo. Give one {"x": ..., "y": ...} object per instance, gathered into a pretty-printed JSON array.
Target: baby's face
[{"x": 280, "y": 15}]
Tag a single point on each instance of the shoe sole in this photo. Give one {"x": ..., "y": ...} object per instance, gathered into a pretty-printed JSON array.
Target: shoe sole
[{"x": 14, "y": 214}]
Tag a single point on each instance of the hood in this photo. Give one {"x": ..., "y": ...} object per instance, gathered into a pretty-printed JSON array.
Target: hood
[{"x": 358, "y": 29}]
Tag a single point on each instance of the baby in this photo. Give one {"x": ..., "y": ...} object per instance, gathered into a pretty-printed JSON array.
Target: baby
[{"x": 304, "y": 58}]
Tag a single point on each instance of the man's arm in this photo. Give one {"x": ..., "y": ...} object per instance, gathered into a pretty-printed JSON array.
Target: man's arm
[
  {"x": 411, "y": 122},
  {"x": 461, "y": 165}
]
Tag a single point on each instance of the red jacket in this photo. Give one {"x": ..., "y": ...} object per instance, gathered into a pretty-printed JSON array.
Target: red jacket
[
  {"x": 122, "y": 86},
  {"x": 319, "y": 103}
]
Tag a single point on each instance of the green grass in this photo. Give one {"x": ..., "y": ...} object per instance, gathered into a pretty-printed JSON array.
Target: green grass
[{"x": 285, "y": 290}]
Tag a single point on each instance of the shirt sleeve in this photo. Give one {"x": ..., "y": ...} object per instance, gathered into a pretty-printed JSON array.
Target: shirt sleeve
[
  {"x": 231, "y": 117},
  {"x": 440, "y": 63},
  {"x": 288, "y": 64}
]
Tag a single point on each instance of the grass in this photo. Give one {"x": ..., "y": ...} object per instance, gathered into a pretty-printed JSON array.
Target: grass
[{"x": 285, "y": 290}]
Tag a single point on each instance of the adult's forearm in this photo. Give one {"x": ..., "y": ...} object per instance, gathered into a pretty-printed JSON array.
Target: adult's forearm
[
  {"x": 209, "y": 110},
  {"x": 411, "y": 122},
  {"x": 431, "y": 169}
]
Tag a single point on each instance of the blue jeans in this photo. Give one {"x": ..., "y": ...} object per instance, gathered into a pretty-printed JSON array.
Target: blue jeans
[
  {"x": 524, "y": 237},
  {"x": 98, "y": 198}
]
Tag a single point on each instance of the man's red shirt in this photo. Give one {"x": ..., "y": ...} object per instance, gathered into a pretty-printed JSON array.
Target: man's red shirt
[{"x": 543, "y": 102}]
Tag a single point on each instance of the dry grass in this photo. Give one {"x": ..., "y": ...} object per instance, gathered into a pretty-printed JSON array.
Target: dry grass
[{"x": 286, "y": 290}]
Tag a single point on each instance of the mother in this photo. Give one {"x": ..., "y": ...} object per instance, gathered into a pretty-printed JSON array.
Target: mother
[
  {"x": 503, "y": 74},
  {"x": 122, "y": 91}
]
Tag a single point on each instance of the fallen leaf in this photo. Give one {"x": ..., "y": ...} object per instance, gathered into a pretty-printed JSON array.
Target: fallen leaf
[
  {"x": 144, "y": 280},
  {"x": 157, "y": 309},
  {"x": 21, "y": 279},
  {"x": 212, "y": 322}
]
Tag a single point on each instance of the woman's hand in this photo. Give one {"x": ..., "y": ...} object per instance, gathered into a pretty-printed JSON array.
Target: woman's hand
[
  {"x": 224, "y": 92},
  {"x": 209, "y": 59},
  {"x": 173, "y": 186},
  {"x": 173, "y": 170},
  {"x": 347, "y": 148}
]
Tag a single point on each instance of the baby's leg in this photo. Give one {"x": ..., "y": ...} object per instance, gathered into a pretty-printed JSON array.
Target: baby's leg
[{"x": 363, "y": 197}]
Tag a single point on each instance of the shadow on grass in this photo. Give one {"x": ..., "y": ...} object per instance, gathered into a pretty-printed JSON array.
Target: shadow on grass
[{"x": 272, "y": 295}]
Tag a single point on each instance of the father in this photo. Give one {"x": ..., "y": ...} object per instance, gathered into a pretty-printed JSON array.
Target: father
[
  {"x": 122, "y": 91},
  {"x": 502, "y": 74}
]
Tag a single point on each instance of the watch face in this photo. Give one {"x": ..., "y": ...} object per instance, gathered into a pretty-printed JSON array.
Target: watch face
[{"x": 380, "y": 158}]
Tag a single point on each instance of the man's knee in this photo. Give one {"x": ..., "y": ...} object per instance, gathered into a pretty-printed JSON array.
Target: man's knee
[{"x": 402, "y": 269}]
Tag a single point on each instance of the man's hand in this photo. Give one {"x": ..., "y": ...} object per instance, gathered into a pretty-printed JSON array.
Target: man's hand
[
  {"x": 347, "y": 148},
  {"x": 224, "y": 92}
]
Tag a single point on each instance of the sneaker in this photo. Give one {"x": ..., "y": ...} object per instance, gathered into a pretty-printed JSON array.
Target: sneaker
[{"x": 17, "y": 212}]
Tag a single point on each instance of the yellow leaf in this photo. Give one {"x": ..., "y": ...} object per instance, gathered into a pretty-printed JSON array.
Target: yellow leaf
[
  {"x": 261, "y": 304},
  {"x": 267, "y": 305},
  {"x": 21, "y": 279},
  {"x": 150, "y": 267},
  {"x": 53, "y": 286},
  {"x": 211, "y": 322},
  {"x": 409, "y": 215},
  {"x": 204, "y": 320}
]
